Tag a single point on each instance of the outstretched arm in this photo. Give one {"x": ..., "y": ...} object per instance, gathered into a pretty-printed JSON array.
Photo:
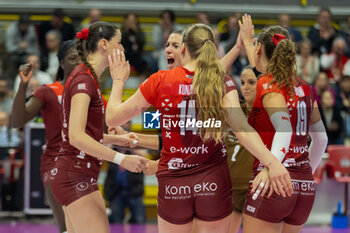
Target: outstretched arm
[{"x": 232, "y": 55}]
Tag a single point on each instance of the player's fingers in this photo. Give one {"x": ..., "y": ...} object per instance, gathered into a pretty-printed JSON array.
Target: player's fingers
[
  {"x": 266, "y": 187},
  {"x": 275, "y": 189}
]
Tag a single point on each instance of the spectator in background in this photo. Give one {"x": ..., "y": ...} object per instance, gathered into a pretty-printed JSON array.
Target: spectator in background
[
  {"x": 284, "y": 21},
  {"x": 308, "y": 65},
  {"x": 219, "y": 48},
  {"x": 321, "y": 84},
  {"x": 94, "y": 16},
  {"x": 38, "y": 76},
  {"x": 203, "y": 18},
  {"x": 161, "y": 32},
  {"x": 20, "y": 40},
  {"x": 331, "y": 117},
  {"x": 124, "y": 189},
  {"x": 333, "y": 63},
  {"x": 49, "y": 61},
  {"x": 56, "y": 23},
  {"x": 237, "y": 67},
  {"x": 229, "y": 38},
  {"x": 323, "y": 33},
  {"x": 133, "y": 41},
  {"x": 34, "y": 85},
  {"x": 6, "y": 99},
  {"x": 342, "y": 90},
  {"x": 4, "y": 119}
]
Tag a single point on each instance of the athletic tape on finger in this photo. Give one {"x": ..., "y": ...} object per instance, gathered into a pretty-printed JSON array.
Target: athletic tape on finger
[{"x": 256, "y": 194}]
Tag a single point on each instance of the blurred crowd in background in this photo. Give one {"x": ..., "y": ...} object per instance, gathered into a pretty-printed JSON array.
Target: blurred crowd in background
[{"x": 322, "y": 60}]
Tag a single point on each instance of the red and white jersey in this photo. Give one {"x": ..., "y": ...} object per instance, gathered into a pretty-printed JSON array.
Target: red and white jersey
[
  {"x": 183, "y": 149},
  {"x": 300, "y": 109}
]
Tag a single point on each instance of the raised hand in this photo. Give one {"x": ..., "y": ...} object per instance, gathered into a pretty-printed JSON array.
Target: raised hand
[
  {"x": 246, "y": 29},
  {"x": 26, "y": 72},
  {"x": 134, "y": 163},
  {"x": 119, "y": 68}
]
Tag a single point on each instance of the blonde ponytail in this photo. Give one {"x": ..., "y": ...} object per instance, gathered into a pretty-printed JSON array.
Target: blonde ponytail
[{"x": 208, "y": 84}]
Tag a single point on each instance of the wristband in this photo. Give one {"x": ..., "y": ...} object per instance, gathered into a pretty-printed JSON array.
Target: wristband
[{"x": 118, "y": 158}]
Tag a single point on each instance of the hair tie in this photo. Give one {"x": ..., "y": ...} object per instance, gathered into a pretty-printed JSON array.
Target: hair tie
[
  {"x": 276, "y": 38},
  {"x": 84, "y": 34},
  {"x": 206, "y": 40}
]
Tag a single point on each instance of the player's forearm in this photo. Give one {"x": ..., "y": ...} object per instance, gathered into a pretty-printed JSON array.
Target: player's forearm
[
  {"x": 19, "y": 106},
  {"x": 230, "y": 57},
  {"x": 85, "y": 143},
  {"x": 114, "y": 108},
  {"x": 253, "y": 143},
  {"x": 249, "y": 48},
  {"x": 149, "y": 141}
]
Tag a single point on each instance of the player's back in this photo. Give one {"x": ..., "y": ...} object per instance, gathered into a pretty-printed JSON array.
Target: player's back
[
  {"x": 171, "y": 93},
  {"x": 299, "y": 103}
]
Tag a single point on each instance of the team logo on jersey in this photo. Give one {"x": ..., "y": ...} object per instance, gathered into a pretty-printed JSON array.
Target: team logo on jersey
[
  {"x": 299, "y": 91},
  {"x": 250, "y": 208},
  {"x": 82, "y": 186},
  {"x": 230, "y": 83},
  {"x": 82, "y": 86},
  {"x": 177, "y": 163},
  {"x": 151, "y": 120},
  {"x": 54, "y": 171}
]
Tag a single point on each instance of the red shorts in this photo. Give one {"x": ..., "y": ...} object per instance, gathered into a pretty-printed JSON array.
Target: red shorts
[
  {"x": 73, "y": 178},
  {"x": 206, "y": 195},
  {"x": 293, "y": 210},
  {"x": 47, "y": 163}
]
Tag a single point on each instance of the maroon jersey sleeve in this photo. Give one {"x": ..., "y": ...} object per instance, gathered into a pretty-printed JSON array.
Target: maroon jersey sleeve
[
  {"x": 83, "y": 84},
  {"x": 229, "y": 83},
  {"x": 149, "y": 88},
  {"x": 41, "y": 94}
]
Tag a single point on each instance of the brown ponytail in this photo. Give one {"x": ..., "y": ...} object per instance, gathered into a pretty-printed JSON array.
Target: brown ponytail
[
  {"x": 208, "y": 84},
  {"x": 97, "y": 31},
  {"x": 282, "y": 57}
]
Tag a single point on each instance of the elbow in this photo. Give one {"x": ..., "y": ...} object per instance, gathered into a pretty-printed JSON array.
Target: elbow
[
  {"x": 324, "y": 139},
  {"x": 74, "y": 138},
  {"x": 241, "y": 136},
  {"x": 109, "y": 120}
]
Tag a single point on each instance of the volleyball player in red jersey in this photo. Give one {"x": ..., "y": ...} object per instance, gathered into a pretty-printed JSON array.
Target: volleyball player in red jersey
[
  {"x": 173, "y": 56},
  {"x": 46, "y": 100},
  {"x": 193, "y": 174},
  {"x": 73, "y": 180},
  {"x": 284, "y": 114}
]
